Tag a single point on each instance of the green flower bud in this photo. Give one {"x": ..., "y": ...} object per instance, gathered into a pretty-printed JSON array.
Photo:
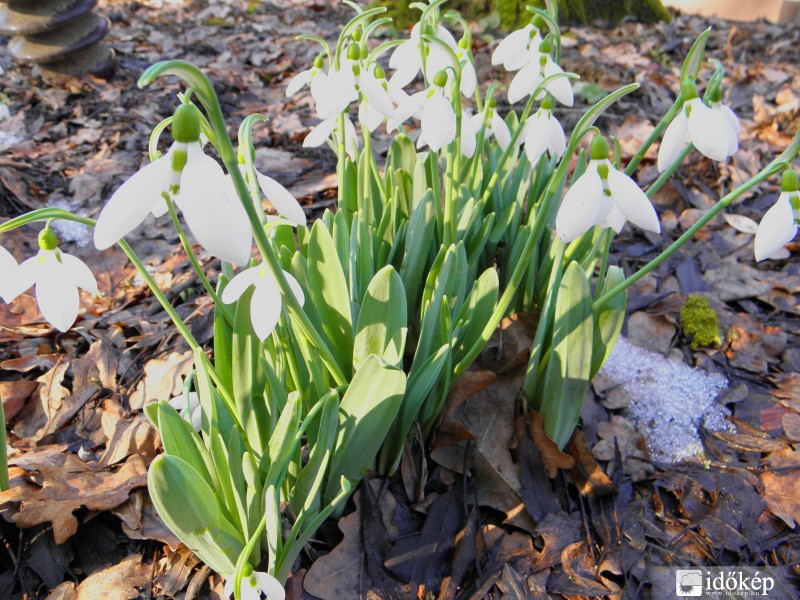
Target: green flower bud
[
  {"x": 544, "y": 47},
  {"x": 48, "y": 239},
  {"x": 319, "y": 62},
  {"x": 353, "y": 52},
  {"x": 789, "y": 181},
  {"x": 463, "y": 43},
  {"x": 357, "y": 35},
  {"x": 440, "y": 78},
  {"x": 247, "y": 570},
  {"x": 547, "y": 102},
  {"x": 379, "y": 72},
  {"x": 715, "y": 94},
  {"x": 689, "y": 90},
  {"x": 186, "y": 124},
  {"x": 492, "y": 102},
  {"x": 539, "y": 22},
  {"x": 599, "y": 148}
]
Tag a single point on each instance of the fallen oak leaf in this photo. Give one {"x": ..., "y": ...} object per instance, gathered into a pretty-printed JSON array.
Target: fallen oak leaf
[
  {"x": 51, "y": 486},
  {"x": 163, "y": 378},
  {"x": 782, "y": 485},
  {"x": 552, "y": 457},
  {"x": 13, "y": 395}
]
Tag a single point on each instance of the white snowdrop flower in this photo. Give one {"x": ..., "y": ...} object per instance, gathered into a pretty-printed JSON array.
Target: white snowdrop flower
[
  {"x": 328, "y": 129},
  {"x": 406, "y": 60},
  {"x": 713, "y": 131},
  {"x": 779, "y": 224},
  {"x": 519, "y": 48},
  {"x": 305, "y": 78},
  {"x": 278, "y": 196},
  {"x": 199, "y": 187},
  {"x": 189, "y": 407},
  {"x": 495, "y": 125},
  {"x": 534, "y": 73},
  {"x": 431, "y": 106},
  {"x": 603, "y": 196},
  {"x": 254, "y": 584},
  {"x": 8, "y": 269},
  {"x": 265, "y": 305},
  {"x": 56, "y": 277},
  {"x": 543, "y": 133}
]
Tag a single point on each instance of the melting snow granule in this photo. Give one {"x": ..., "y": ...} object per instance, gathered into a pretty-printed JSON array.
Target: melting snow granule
[{"x": 669, "y": 400}]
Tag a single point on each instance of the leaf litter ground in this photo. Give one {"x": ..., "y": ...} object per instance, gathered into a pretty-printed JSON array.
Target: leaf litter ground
[{"x": 490, "y": 509}]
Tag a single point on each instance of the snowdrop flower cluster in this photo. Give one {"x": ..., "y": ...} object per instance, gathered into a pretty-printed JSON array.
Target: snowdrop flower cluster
[
  {"x": 543, "y": 133},
  {"x": 779, "y": 224},
  {"x": 603, "y": 196},
  {"x": 713, "y": 130}
]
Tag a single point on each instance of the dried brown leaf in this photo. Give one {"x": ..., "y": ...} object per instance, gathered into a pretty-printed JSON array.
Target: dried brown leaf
[
  {"x": 552, "y": 457},
  {"x": 782, "y": 486}
]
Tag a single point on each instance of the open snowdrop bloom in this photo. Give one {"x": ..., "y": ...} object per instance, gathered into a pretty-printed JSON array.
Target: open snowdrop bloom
[
  {"x": 56, "y": 277},
  {"x": 534, "y": 73},
  {"x": 189, "y": 407},
  {"x": 713, "y": 131},
  {"x": 603, "y": 196},
  {"x": 543, "y": 133},
  {"x": 306, "y": 78},
  {"x": 520, "y": 48},
  {"x": 199, "y": 187},
  {"x": 265, "y": 305},
  {"x": 278, "y": 196},
  {"x": 431, "y": 106},
  {"x": 406, "y": 59},
  {"x": 469, "y": 78},
  {"x": 779, "y": 224},
  {"x": 495, "y": 125},
  {"x": 254, "y": 584},
  {"x": 8, "y": 269},
  {"x": 327, "y": 130}
]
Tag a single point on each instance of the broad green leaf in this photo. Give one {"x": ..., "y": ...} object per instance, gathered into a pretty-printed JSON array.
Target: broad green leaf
[
  {"x": 608, "y": 320},
  {"x": 279, "y": 450},
  {"x": 476, "y": 312},
  {"x": 419, "y": 237},
  {"x": 383, "y": 314},
  {"x": 367, "y": 410},
  {"x": 180, "y": 440},
  {"x": 569, "y": 365},
  {"x": 694, "y": 58},
  {"x": 191, "y": 510},
  {"x": 329, "y": 294}
]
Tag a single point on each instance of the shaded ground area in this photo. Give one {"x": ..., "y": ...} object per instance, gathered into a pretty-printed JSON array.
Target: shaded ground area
[{"x": 490, "y": 509}]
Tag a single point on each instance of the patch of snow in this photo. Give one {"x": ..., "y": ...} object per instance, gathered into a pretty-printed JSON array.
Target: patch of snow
[
  {"x": 669, "y": 400},
  {"x": 70, "y": 231}
]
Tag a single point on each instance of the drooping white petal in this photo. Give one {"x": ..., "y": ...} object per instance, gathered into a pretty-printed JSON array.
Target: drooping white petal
[
  {"x": 405, "y": 109},
  {"x": 629, "y": 198},
  {"x": 777, "y": 228},
  {"x": 557, "y": 140},
  {"x": 218, "y": 222},
  {"x": 376, "y": 95},
  {"x": 249, "y": 589},
  {"x": 674, "y": 141},
  {"x": 240, "y": 282},
  {"x": 524, "y": 83},
  {"x": 559, "y": 87},
  {"x": 227, "y": 591},
  {"x": 270, "y": 586},
  {"x": 56, "y": 293},
  {"x": 22, "y": 278},
  {"x": 78, "y": 273},
  {"x": 299, "y": 81},
  {"x": 334, "y": 93},
  {"x": 615, "y": 220},
  {"x": 583, "y": 206},
  {"x": 469, "y": 79},
  {"x": 438, "y": 59},
  {"x": 708, "y": 130},
  {"x": 8, "y": 273},
  {"x": 130, "y": 204},
  {"x": 732, "y": 118},
  {"x": 283, "y": 201},
  {"x": 500, "y": 130},
  {"x": 350, "y": 139},
  {"x": 265, "y": 306},
  {"x": 512, "y": 46},
  {"x": 369, "y": 117},
  {"x": 438, "y": 121},
  {"x": 406, "y": 62},
  {"x": 320, "y": 133},
  {"x": 537, "y": 136}
]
